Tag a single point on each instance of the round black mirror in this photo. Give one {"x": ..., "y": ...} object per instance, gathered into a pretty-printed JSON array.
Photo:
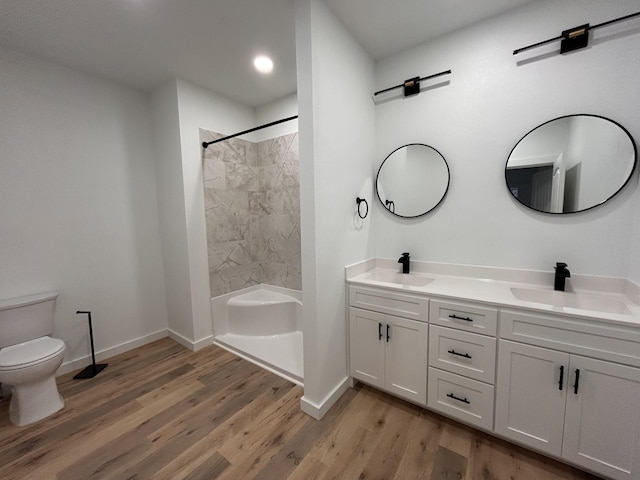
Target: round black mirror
[
  {"x": 571, "y": 164},
  {"x": 412, "y": 180}
]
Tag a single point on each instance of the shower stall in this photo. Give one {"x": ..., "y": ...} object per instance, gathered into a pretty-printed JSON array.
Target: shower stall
[{"x": 252, "y": 207}]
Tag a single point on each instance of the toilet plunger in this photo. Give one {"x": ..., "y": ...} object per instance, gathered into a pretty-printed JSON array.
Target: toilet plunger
[{"x": 93, "y": 369}]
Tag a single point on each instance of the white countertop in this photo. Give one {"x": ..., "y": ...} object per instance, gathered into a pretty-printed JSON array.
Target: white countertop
[{"x": 494, "y": 286}]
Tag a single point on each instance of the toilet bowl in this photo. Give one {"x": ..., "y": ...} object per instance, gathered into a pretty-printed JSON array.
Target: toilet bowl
[{"x": 29, "y": 357}]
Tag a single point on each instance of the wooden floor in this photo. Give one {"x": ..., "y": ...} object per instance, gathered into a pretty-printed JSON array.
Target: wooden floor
[{"x": 163, "y": 412}]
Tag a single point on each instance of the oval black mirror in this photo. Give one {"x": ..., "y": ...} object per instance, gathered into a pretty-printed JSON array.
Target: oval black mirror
[
  {"x": 571, "y": 164},
  {"x": 412, "y": 180}
]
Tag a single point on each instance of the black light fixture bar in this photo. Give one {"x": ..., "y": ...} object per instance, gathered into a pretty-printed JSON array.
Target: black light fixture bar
[
  {"x": 412, "y": 86},
  {"x": 576, "y": 37},
  {"x": 206, "y": 144}
]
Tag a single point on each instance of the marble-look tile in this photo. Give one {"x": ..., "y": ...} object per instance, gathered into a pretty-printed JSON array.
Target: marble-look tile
[
  {"x": 273, "y": 251},
  {"x": 234, "y": 278},
  {"x": 274, "y": 273},
  {"x": 290, "y": 172},
  {"x": 259, "y": 203},
  {"x": 218, "y": 284},
  {"x": 242, "y": 276},
  {"x": 214, "y": 173},
  {"x": 277, "y": 226},
  {"x": 275, "y": 201},
  {"x": 227, "y": 228},
  {"x": 255, "y": 230},
  {"x": 281, "y": 275},
  {"x": 235, "y": 151},
  {"x": 265, "y": 153},
  {"x": 242, "y": 177},
  {"x": 293, "y": 280},
  {"x": 281, "y": 146},
  {"x": 251, "y": 154},
  {"x": 269, "y": 177},
  {"x": 294, "y": 147},
  {"x": 291, "y": 201},
  {"x": 291, "y": 251},
  {"x": 230, "y": 254},
  {"x": 252, "y": 196},
  {"x": 230, "y": 202}
]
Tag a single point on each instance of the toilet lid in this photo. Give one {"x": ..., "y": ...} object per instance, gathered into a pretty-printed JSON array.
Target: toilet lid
[{"x": 33, "y": 351}]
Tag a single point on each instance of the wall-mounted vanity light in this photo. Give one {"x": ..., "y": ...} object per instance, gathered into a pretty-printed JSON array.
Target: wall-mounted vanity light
[
  {"x": 575, "y": 38},
  {"x": 412, "y": 85}
]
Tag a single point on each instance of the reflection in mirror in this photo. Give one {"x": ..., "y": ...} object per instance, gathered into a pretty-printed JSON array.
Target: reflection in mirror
[
  {"x": 571, "y": 164},
  {"x": 412, "y": 180}
]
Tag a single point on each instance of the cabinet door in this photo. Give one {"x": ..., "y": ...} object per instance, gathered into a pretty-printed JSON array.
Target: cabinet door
[
  {"x": 530, "y": 399},
  {"x": 406, "y": 359},
  {"x": 602, "y": 420},
  {"x": 367, "y": 343}
]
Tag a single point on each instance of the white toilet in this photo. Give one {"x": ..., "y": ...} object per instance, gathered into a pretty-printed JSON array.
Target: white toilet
[{"x": 29, "y": 357}]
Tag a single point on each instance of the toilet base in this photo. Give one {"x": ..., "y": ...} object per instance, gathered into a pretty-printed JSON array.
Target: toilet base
[{"x": 34, "y": 401}]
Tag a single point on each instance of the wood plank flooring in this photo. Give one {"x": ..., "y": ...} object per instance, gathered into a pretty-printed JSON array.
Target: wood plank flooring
[{"x": 163, "y": 412}]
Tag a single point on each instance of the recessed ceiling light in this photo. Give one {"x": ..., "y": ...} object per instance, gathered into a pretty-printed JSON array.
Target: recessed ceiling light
[{"x": 263, "y": 64}]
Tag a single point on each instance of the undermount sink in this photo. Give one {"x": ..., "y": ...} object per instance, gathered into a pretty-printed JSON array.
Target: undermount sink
[
  {"x": 407, "y": 279},
  {"x": 583, "y": 301}
]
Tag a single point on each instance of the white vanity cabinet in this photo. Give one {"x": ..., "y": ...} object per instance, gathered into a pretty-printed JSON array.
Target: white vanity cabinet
[
  {"x": 389, "y": 351},
  {"x": 563, "y": 381},
  {"x": 462, "y": 361},
  {"x": 583, "y": 409}
]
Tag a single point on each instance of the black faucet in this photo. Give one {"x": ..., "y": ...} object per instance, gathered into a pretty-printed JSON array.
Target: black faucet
[
  {"x": 404, "y": 260},
  {"x": 562, "y": 273}
]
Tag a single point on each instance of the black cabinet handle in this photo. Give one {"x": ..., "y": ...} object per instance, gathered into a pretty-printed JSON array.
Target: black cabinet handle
[
  {"x": 388, "y": 332},
  {"x": 379, "y": 331},
  {"x": 463, "y": 400},
  {"x": 453, "y": 352},
  {"x": 466, "y": 319},
  {"x": 561, "y": 377},
  {"x": 575, "y": 385}
]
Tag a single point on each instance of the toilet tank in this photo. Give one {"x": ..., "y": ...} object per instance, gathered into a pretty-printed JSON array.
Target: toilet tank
[{"x": 26, "y": 318}]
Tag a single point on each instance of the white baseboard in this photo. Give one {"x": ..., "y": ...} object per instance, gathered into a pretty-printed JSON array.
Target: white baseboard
[
  {"x": 185, "y": 342},
  {"x": 205, "y": 342},
  {"x": 82, "y": 362},
  {"x": 318, "y": 411}
]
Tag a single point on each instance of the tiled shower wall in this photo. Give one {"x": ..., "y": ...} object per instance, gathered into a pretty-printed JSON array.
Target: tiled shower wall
[{"x": 252, "y": 203}]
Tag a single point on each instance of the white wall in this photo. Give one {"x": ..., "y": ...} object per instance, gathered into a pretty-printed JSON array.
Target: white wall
[
  {"x": 78, "y": 203},
  {"x": 336, "y": 148},
  {"x": 173, "y": 223},
  {"x": 201, "y": 108},
  {"x": 282, "y": 108},
  {"x": 489, "y": 102}
]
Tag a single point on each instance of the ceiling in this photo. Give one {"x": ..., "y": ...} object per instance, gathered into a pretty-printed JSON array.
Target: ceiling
[{"x": 144, "y": 43}]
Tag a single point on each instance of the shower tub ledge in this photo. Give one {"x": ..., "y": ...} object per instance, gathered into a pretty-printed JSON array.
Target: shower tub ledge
[{"x": 262, "y": 324}]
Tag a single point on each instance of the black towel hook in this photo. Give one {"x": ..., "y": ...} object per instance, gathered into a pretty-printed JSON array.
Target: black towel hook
[{"x": 360, "y": 201}]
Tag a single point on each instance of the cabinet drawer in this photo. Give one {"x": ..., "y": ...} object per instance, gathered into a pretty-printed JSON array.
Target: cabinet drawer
[
  {"x": 400, "y": 304},
  {"x": 617, "y": 343},
  {"x": 464, "y": 316},
  {"x": 463, "y": 353},
  {"x": 462, "y": 398}
]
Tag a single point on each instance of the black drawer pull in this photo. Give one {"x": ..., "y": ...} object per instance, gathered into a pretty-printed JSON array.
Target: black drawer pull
[
  {"x": 465, "y": 355},
  {"x": 388, "y": 333},
  {"x": 561, "y": 377},
  {"x": 466, "y": 319},
  {"x": 575, "y": 385},
  {"x": 463, "y": 400},
  {"x": 379, "y": 331}
]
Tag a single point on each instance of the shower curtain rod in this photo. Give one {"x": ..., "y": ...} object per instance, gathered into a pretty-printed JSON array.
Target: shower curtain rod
[{"x": 206, "y": 144}]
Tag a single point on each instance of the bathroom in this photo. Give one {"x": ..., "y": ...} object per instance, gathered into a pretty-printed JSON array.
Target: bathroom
[{"x": 102, "y": 226}]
